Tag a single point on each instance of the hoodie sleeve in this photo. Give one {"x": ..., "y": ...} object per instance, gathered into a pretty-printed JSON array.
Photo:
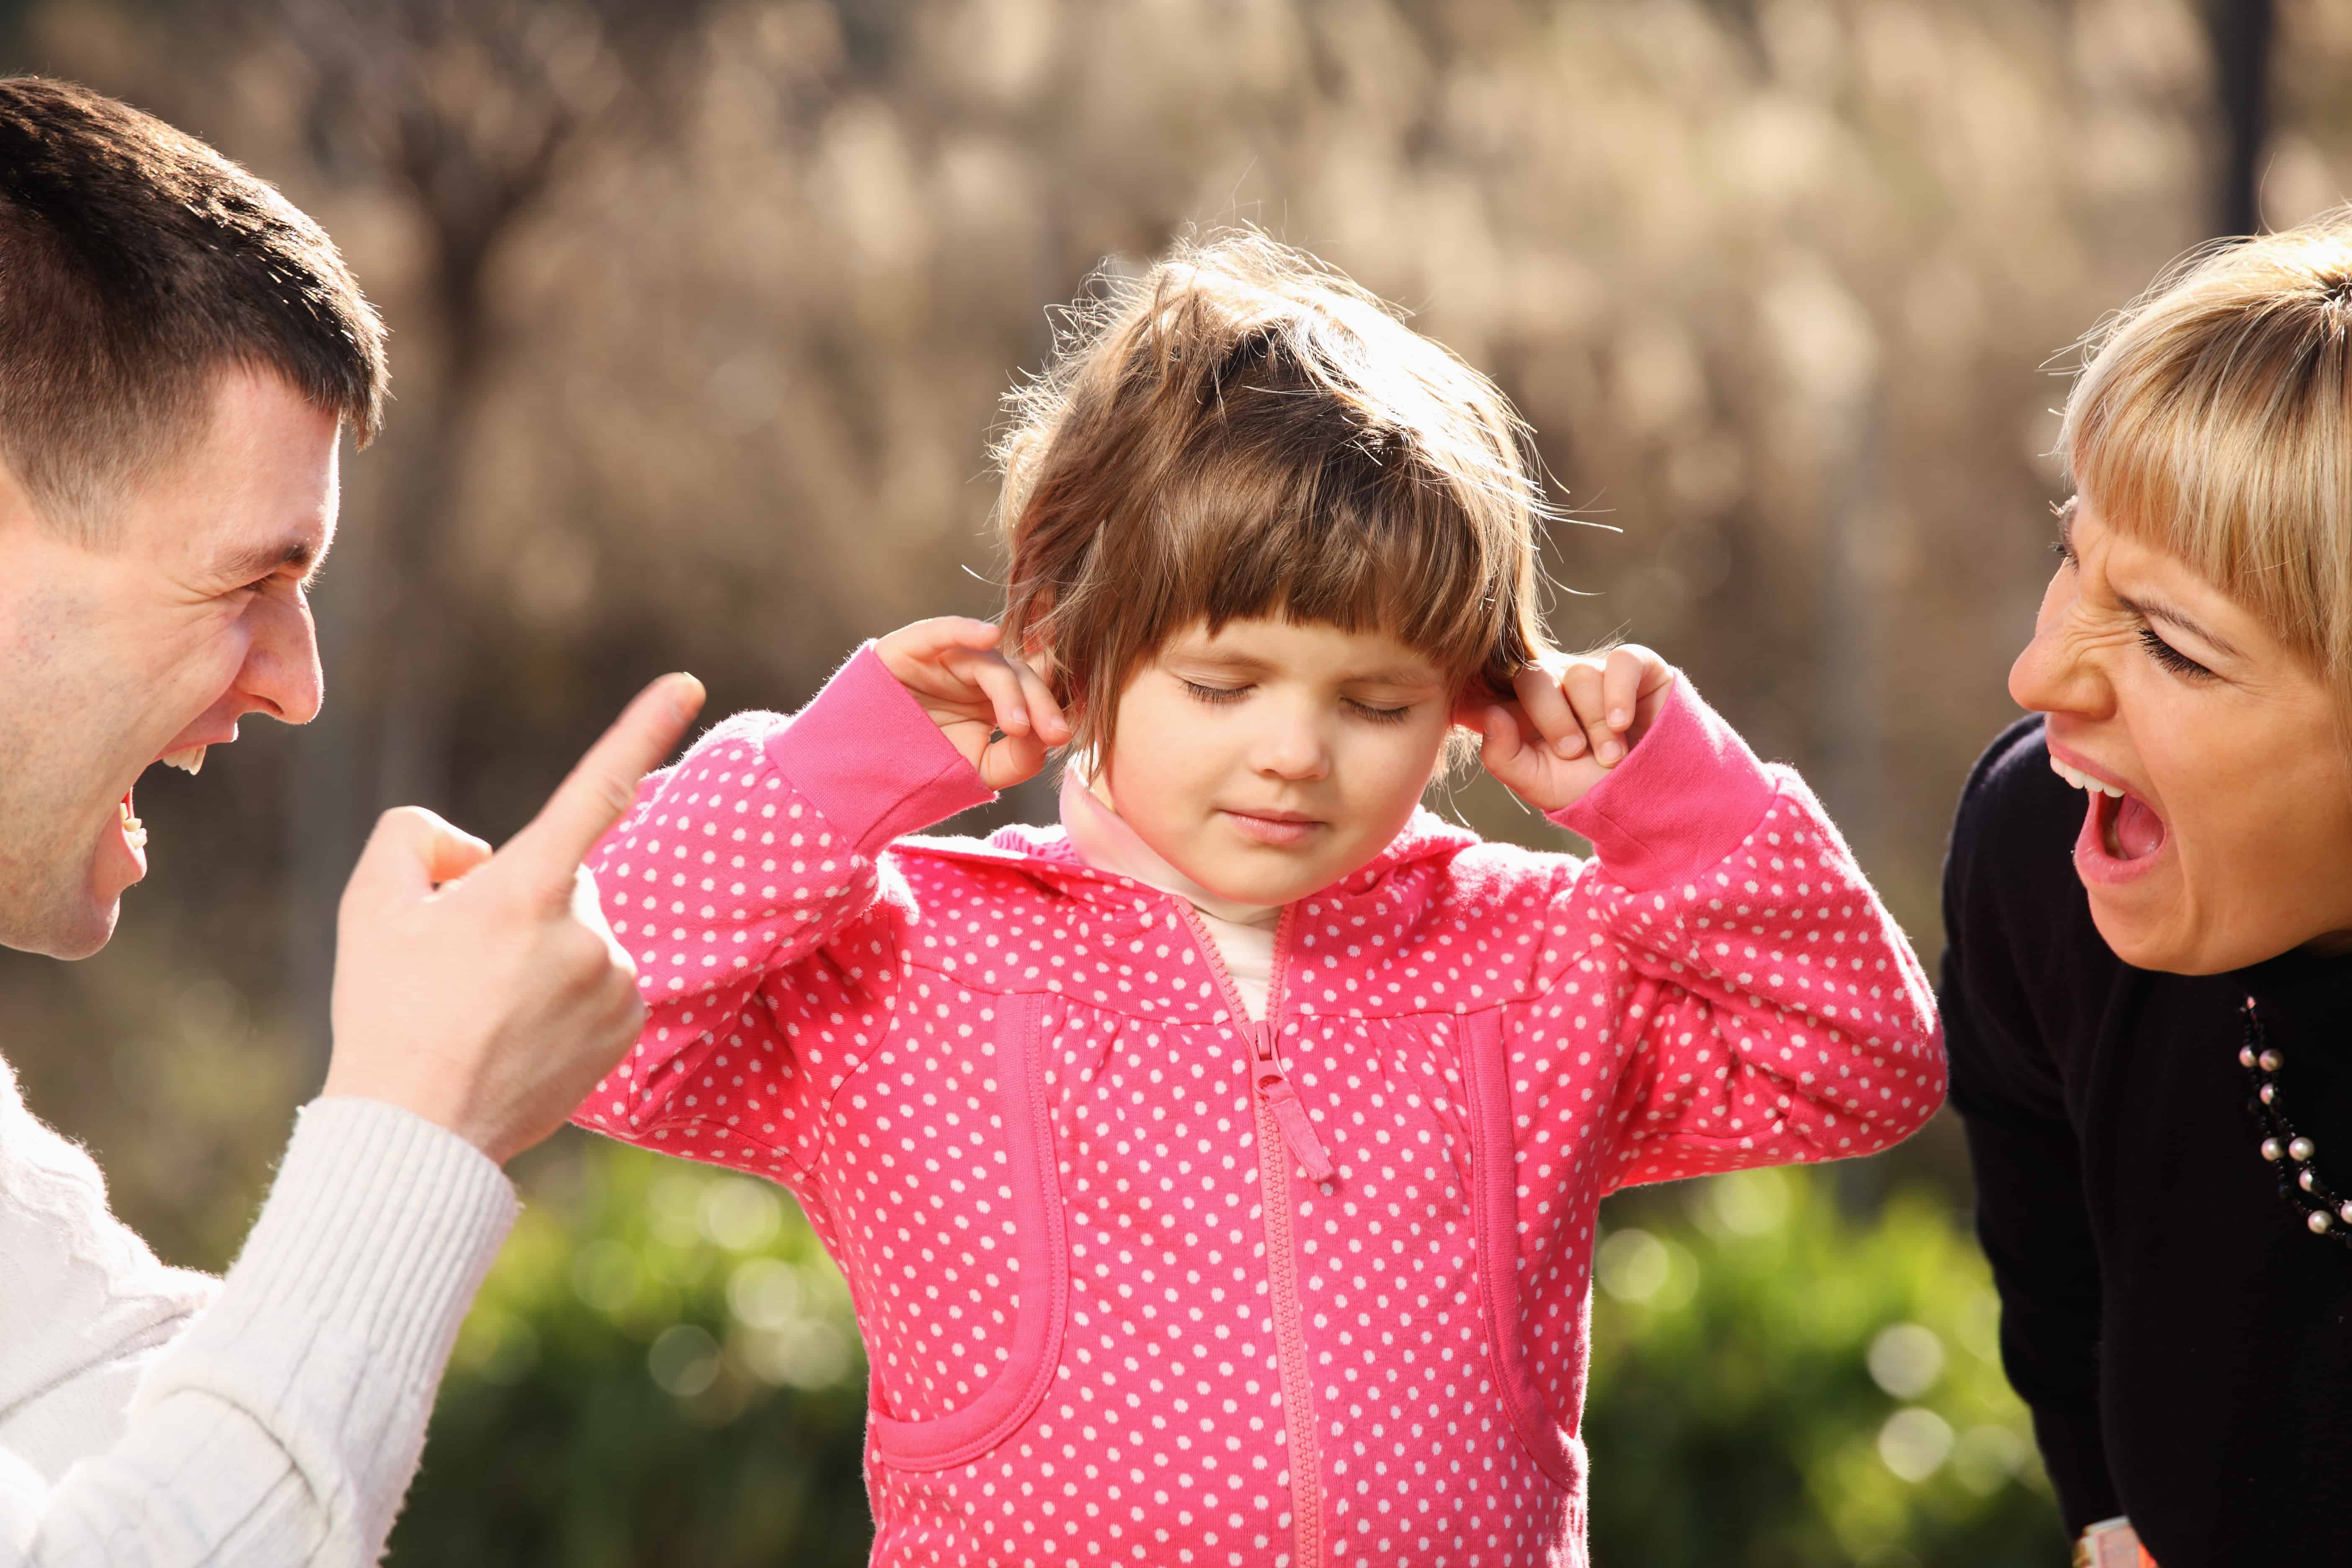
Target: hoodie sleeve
[
  {"x": 750, "y": 885},
  {"x": 1757, "y": 1004}
]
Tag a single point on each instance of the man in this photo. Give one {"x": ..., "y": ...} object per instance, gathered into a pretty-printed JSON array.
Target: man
[{"x": 180, "y": 350}]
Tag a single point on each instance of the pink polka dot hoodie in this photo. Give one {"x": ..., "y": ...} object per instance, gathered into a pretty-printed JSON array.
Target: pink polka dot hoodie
[{"x": 1142, "y": 1281}]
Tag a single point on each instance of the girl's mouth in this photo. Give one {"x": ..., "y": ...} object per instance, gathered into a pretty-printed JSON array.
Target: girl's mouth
[{"x": 1279, "y": 832}]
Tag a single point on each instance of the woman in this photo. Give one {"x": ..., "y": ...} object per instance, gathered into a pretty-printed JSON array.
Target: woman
[{"x": 2148, "y": 991}]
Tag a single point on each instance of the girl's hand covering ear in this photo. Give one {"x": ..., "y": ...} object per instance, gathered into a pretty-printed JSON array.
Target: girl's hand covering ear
[
  {"x": 996, "y": 710},
  {"x": 1571, "y": 721}
]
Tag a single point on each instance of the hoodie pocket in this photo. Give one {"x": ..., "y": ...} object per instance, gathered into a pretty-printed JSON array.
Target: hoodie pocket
[
  {"x": 946, "y": 1441},
  {"x": 1495, "y": 1209}
]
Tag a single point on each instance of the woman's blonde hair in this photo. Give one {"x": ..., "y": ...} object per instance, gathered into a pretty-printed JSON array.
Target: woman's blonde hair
[
  {"x": 2213, "y": 419},
  {"x": 1241, "y": 432}
]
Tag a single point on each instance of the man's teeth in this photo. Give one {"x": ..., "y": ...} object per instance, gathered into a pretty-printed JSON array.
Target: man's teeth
[
  {"x": 2082, "y": 780},
  {"x": 190, "y": 758}
]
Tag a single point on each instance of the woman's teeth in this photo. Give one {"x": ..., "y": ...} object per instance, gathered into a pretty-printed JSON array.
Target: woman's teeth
[
  {"x": 134, "y": 830},
  {"x": 2074, "y": 776},
  {"x": 190, "y": 758}
]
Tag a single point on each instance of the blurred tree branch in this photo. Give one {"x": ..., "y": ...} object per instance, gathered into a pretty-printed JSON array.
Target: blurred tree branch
[{"x": 470, "y": 112}]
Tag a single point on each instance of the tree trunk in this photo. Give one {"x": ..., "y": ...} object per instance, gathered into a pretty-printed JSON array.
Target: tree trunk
[{"x": 2241, "y": 32}]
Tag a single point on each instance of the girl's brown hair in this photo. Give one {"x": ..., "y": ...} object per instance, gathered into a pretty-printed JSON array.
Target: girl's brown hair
[{"x": 1241, "y": 432}]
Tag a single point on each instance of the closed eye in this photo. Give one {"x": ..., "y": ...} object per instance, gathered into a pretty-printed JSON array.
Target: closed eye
[
  {"x": 1382, "y": 715},
  {"x": 2171, "y": 657},
  {"x": 1216, "y": 695}
]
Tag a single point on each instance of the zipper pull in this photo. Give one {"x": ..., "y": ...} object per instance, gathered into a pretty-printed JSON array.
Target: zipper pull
[{"x": 1289, "y": 1115}]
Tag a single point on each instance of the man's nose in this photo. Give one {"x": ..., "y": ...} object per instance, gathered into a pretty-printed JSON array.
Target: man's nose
[{"x": 282, "y": 676}]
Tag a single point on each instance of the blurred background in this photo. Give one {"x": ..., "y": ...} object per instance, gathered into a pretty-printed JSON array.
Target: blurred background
[{"x": 701, "y": 311}]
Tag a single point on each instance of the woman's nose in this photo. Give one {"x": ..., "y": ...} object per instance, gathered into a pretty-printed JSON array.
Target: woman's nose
[{"x": 2050, "y": 676}]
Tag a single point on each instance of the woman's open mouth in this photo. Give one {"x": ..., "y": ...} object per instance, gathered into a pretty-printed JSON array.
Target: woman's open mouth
[{"x": 2122, "y": 834}]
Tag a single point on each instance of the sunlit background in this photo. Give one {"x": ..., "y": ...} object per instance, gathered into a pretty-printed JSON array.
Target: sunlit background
[{"x": 701, "y": 309}]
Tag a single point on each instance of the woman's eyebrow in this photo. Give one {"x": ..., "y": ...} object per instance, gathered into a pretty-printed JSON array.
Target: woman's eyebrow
[{"x": 2170, "y": 617}]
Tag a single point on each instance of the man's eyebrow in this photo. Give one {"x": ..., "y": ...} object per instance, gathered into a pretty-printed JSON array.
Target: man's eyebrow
[
  {"x": 2170, "y": 617},
  {"x": 258, "y": 561}
]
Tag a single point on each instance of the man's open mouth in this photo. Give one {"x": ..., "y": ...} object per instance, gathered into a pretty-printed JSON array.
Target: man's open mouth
[{"x": 188, "y": 759}]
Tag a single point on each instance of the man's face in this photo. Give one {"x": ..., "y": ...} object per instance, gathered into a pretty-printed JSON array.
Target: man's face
[{"x": 113, "y": 658}]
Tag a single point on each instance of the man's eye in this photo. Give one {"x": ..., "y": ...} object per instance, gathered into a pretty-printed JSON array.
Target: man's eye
[
  {"x": 2171, "y": 657},
  {"x": 1215, "y": 694}
]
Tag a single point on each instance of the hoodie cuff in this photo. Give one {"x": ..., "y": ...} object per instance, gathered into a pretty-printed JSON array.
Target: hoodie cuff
[
  {"x": 1688, "y": 794},
  {"x": 871, "y": 760}
]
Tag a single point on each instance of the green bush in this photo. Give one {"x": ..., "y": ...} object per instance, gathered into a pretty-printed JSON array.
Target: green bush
[
  {"x": 662, "y": 1370},
  {"x": 1776, "y": 1386}
]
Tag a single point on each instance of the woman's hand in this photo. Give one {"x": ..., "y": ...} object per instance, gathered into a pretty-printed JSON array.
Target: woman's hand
[
  {"x": 1571, "y": 721},
  {"x": 997, "y": 711}
]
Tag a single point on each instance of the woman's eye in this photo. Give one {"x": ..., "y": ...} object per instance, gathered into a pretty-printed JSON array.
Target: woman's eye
[
  {"x": 1382, "y": 715},
  {"x": 2171, "y": 657},
  {"x": 1215, "y": 694},
  {"x": 2064, "y": 551}
]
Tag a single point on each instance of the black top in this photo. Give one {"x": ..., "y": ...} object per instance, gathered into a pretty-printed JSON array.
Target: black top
[{"x": 2185, "y": 1342}]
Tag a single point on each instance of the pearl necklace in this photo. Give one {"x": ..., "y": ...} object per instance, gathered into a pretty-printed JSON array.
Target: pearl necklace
[{"x": 2325, "y": 1211}]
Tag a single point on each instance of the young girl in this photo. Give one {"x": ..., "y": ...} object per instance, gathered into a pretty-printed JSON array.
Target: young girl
[{"x": 1216, "y": 1173}]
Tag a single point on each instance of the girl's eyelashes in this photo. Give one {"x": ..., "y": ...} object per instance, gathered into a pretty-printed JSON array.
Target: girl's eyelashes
[
  {"x": 2171, "y": 657},
  {"x": 1218, "y": 696}
]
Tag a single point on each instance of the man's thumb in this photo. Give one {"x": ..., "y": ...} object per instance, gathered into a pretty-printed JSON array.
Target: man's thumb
[{"x": 411, "y": 852}]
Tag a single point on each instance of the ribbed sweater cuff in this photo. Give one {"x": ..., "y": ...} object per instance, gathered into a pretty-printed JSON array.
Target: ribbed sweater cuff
[
  {"x": 381, "y": 1225},
  {"x": 332, "y": 1330}
]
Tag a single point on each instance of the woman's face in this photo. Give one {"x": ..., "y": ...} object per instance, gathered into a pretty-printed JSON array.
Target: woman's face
[{"x": 2218, "y": 826}]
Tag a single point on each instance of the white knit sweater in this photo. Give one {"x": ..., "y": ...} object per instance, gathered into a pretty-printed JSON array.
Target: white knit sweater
[{"x": 151, "y": 1417}]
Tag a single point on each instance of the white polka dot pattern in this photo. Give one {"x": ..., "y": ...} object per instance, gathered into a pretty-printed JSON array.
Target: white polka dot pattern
[{"x": 1487, "y": 1041}]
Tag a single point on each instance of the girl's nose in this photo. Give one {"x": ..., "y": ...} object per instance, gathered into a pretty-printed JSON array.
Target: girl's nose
[{"x": 1293, "y": 749}]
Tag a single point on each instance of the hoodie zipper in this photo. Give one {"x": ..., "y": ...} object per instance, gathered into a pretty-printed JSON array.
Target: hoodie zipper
[{"x": 1282, "y": 1128}]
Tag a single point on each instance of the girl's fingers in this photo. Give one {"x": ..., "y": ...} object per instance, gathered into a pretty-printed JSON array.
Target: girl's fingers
[
  {"x": 1510, "y": 749},
  {"x": 1583, "y": 684},
  {"x": 1553, "y": 722},
  {"x": 1621, "y": 685},
  {"x": 1052, "y": 725},
  {"x": 1010, "y": 759},
  {"x": 999, "y": 684}
]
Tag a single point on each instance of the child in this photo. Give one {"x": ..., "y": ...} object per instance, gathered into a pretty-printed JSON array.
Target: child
[{"x": 1216, "y": 1176}]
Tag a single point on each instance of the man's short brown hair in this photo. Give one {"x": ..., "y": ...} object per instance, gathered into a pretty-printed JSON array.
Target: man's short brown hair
[
  {"x": 1243, "y": 432},
  {"x": 136, "y": 264}
]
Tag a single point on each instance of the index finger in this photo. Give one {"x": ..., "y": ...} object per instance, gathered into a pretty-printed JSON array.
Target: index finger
[{"x": 603, "y": 784}]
